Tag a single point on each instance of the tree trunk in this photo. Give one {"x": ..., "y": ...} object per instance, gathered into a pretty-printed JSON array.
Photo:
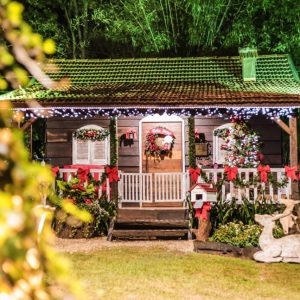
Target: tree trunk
[{"x": 204, "y": 227}]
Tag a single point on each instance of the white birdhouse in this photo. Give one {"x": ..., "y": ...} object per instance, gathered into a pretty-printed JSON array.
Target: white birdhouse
[{"x": 203, "y": 192}]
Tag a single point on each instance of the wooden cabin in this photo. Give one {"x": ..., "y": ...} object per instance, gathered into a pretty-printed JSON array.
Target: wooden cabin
[{"x": 146, "y": 94}]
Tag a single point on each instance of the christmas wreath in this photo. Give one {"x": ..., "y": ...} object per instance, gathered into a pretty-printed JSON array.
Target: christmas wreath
[
  {"x": 91, "y": 134},
  {"x": 152, "y": 145}
]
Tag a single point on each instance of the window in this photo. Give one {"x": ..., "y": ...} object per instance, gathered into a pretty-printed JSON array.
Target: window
[
  {"x": 219, "y": 153},
  {"x": 89, "y": 152}
]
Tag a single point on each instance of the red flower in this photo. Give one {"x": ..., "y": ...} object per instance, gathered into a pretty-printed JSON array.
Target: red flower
[
  {"x": 88, "y": 201},
  {"x": 78, "y": 187}
]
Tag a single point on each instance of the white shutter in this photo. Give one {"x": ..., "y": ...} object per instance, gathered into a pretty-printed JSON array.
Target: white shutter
[
  {"x": 99, "y": 152},
  {"x": 82, "y": 152}
]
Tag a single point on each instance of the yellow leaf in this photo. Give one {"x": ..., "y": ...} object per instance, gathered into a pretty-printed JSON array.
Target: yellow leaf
[{"x": 49, "y": 46}]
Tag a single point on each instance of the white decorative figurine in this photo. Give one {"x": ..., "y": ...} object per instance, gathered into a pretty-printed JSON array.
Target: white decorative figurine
[{"x": 285, "y": 249}]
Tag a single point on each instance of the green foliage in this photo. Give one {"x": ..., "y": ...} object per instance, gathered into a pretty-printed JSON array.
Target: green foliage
[
  {"x": 240, "y": 235},
  {"x": 113, "y": 142},
  {"x": 114, "y": 28},
  {"x": 224, "y": 212},
  {"x": 237, "y": 234},
  {"x": 85, "y": 196},
  {"x": 192, "y": 149}
]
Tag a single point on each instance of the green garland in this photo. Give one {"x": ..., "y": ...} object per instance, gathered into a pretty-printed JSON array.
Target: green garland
[
  {"x": 113, "y": 142},
  {"x": 90, "y": 134},
  {"x": 192, "y": 149},
  {"x": 241, "y": 183}
]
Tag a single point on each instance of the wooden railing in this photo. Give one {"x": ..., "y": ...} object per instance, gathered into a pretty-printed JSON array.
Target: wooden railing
[
  {"x": 153, "y": 187},
  {"x": 253, "y": 192},
  {"x": 68, "y": 174}
]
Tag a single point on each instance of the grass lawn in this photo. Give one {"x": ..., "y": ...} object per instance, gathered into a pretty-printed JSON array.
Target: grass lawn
[{"x": 157, "y": 273}]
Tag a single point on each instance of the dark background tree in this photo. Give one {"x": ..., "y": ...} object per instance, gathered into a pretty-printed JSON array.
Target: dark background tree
[{"x": 135, "y": 28}]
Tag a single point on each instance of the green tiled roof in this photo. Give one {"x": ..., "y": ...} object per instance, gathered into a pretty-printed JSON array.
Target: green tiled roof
[{"x": 174, "y": 82}]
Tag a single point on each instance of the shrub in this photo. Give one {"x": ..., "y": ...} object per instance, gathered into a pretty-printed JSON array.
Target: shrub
[
  {"x": 85, "y": 196},
  {"x": 240, "y": 235}
]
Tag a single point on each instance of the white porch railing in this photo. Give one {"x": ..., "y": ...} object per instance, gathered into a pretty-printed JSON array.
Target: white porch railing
[
  {"x": 252, "y": 192},
  {"x": 153, "y": 187},
  {"x": 142, "y": 188},
  {"x": 68, "y": 174}
]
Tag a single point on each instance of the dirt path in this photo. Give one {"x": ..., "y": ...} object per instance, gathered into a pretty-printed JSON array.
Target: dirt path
[{"x": 95, "y": 244}]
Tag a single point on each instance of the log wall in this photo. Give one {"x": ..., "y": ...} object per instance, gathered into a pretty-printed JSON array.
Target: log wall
[{"x": 59, "y": 138}]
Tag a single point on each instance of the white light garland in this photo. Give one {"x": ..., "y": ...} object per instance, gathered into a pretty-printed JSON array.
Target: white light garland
[{"x": 222, "y": 112}]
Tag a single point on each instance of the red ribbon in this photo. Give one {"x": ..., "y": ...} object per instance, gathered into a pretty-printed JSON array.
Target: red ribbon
[
  {"x": 202, "y": 213},
  {"x": 55, "y": 171},
  {"x": 194, "y": 174},
  {"x": 231, "y": 172},
  {"x": 112, "y": 174},
  {"x": 263, "y": 170},
  {"x": 290, "y": 172},
  {"x": 82, "y": 174},
  {"x": 133, "y": 131}
]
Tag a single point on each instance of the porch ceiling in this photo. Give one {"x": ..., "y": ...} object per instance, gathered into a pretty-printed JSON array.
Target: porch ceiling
[{"x": 174, "y": 83}]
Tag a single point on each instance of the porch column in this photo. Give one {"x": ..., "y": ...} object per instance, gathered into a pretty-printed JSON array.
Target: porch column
[{"x": 291, "y": 130}]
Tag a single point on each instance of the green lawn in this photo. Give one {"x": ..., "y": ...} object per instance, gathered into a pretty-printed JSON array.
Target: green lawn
[{"x": 157, "y": 273}]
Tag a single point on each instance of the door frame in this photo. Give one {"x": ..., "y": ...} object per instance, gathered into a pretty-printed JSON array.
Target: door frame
[{"x": 161, "y": 118}]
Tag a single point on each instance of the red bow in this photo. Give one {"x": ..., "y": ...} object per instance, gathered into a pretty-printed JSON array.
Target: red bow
[
  {"x": 112, "y": 174},
  {"x": 82, "y": 174},
  {"x": 202, "y": 213},
  {"x": 263, "y": 170},
  {"x": 290, "y": 172},
  {"x": 231, "y": 172},
  {"x": 55, "y": 171},
  {"x": 194, "y": 174}
]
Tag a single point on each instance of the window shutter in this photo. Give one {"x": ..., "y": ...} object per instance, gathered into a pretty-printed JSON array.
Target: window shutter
[
  {"x": 82, "y": 152},
  {"x": 99, "y": 152}
]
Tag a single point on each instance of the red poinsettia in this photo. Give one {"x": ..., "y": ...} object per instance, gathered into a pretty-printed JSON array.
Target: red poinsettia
[{"x": 78, "y": 187}]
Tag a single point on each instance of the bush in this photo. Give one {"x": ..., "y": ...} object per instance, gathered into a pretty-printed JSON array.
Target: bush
[
  {"x": 85, "y": 196},
  {"x": 224, "y": 212},
  {"x": 240, "y": 235},
  {"x": 237, "y": 234}
]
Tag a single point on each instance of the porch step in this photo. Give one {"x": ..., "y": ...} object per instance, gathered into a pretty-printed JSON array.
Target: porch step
[
  {"x": 151, "y": 223},
  {"x": 150, "y": 234},
  {"x": 156, "y": 213}
]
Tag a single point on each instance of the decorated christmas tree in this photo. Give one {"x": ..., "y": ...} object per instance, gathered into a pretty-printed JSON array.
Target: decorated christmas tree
[{"x": 242, "y": 144}]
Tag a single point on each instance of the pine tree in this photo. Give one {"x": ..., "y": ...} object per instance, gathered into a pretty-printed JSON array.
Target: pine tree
[{"x": 242, "y": 144}]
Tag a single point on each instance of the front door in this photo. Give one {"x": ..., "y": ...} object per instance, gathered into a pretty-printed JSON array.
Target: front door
[{"x": 169, "y": 163}]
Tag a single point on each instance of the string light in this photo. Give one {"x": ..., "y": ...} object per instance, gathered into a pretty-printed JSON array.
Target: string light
[{"x": 222, "y": 112}]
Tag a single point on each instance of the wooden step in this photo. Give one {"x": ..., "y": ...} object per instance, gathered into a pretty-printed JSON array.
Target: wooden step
[
  {"x": 163, "y": 204},
  {"x": 152, "y": 213},
  {"x": 182, "y": 223},
  {"x": 150, "y": 234}
]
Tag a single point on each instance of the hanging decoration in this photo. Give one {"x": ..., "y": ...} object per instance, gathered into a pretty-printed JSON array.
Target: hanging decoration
[
  {"x": 152, "y": 146},
  {"x": 242, "y": 145},
  {"x": 89, "y": 134},
  {"x": 130, "y": 134}
]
